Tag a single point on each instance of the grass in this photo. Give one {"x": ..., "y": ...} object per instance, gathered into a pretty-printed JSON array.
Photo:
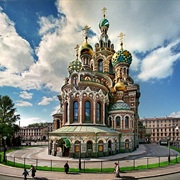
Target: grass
[{"x": 93, "y": 170}]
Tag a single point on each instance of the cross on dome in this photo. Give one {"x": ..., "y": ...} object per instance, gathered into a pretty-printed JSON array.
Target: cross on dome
[
  {"x": 77, "y": 49},
  {"x": 104, "y": 12},
  {"x": 86, "y": 31},
  {"x": 121, "y": 36}
]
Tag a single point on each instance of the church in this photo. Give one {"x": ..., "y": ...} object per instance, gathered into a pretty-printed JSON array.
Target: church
[{"x": 99, "y": 102}]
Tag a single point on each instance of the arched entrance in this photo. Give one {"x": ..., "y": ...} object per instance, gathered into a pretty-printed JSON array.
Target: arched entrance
[
  {"x": 65, "y": 145},
  {"x": 109, "y": 147},
  {"x": 127, "y": 145}
]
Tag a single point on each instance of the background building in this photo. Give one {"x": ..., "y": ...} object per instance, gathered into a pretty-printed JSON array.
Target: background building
[
  {"x": 35, "y": 133},
  {"x": 99, "y": 101},
  {"x": 162, "y": 128}
]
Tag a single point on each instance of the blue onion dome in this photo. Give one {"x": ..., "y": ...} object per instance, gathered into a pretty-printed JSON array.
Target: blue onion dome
[
  {"x": 121, "y": 56},
  {"x": 104, "y": 22},
  {"x": 120, "y": 105},
  {"x": 74, "y": 66},
  {"x": 86, "y": 48}
]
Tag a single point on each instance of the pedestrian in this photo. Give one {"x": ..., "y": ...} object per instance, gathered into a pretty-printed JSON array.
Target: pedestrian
[
  {"x": 25, "y": 173},
  {"x": 66, "y": 167},
  {"x": 33, "y": 171},
  {"x": 117, "y": 170}
]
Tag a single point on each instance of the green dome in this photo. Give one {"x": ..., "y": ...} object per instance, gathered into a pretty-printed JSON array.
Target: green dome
[
  {"x": 120, "y": 105},
  {"x": 74, "y": 66},
  {"x": 104, "y": 22},
  {"x": 122, "y": 56}
]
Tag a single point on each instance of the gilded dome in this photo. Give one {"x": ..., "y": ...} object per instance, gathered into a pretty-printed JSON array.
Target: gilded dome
[
  {"x": 121, "y": 56},
  {"x": 74, "y": 66},
  {"x": 104, "y": 22},
  {"x": 120, "y": 105},
  {"x": 86, "y": 49},
  {"x": 119, "y": 86}
]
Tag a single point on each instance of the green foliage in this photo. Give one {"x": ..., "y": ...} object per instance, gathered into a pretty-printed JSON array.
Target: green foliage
[
  {"x": 38, "y": 125},
  {"x": 8, "y": 117}
]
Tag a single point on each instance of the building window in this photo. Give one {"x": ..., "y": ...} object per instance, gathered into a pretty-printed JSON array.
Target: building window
[
  {"x": 110, "y": 68},
  {"x": 77, "y": 146},
  {"x": 75, "y": 111},
  {"x": 89, "y": 146},
  {"x": 126, "y": 122},
  {"x": 100, "y": 65},
  {"x": 98, "y": 112},
  {"x": 118, "y": 120},
  {"x": 75, "y": 80},
  {"x": 110, "y": 122},
  {"x": 87, "y": 111},
  {"x": 100, "y": 146}
]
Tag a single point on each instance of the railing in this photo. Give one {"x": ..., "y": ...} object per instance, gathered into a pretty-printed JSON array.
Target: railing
[{"x": 86, "y": 165}]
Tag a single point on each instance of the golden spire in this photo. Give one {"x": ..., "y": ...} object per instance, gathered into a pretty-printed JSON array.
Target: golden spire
[
  {"x": 77, "y": 49},
  {"x": 121, "y": 35},
  {"x": 104, "y": 12},
  {"x": 86, "y": 30}
]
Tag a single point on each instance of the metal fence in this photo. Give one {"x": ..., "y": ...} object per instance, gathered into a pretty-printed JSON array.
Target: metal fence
[{"x": 86, "y": 165}]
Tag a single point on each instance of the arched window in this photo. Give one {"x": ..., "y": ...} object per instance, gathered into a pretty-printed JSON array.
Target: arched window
[
  {"x": 87, "y": 111},
  {"x": 100, "y": 65},
  {"x": 126, "y": 122},
  {"x": 57, "y": 123},
  {"x": 75, "y": 80},
  {"x": 100, "y": 146},
  {"x": 110, "y": 122},
  {"x": 75, "y": 111},
  {"x": 118, "y": 121},
  {"x": 89, "y": 146},
  {"x": 77, "y": 145},
  {"x": 66, "y": 113},
  {"x": 110, "y": 68},
  {"x": 98, "y": 112}
]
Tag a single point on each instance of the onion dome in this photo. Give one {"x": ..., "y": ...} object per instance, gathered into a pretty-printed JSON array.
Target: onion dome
[
  {"x": 74, "y": 66},
  {"x": 120, "y": 105},
  {"x": 119, "y": 86},
  {"x": 121, "y": 56},
  {"x": 104, "y": 22},
  {"x": 86, "y": 48}
]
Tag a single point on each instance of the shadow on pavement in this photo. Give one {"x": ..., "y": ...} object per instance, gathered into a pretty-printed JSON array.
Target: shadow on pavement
[
  {"x": 41, "y": 178},
  {"x": 126, "y": 178}
]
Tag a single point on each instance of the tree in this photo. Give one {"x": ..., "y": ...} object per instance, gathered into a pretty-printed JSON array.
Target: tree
[{"x": 8, "y": 117}]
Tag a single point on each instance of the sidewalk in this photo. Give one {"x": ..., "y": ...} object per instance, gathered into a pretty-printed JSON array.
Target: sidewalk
[{"x": 44, "y": 175}]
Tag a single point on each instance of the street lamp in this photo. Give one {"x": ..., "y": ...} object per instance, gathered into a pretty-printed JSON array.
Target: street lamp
[
  {"x": 5, "y": 148},
  {"x": 80, "y": 155},
  {"x": 169, "y": 153}
]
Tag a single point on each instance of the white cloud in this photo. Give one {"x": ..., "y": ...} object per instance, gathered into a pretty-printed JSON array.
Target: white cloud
[
  {"x": 23, "y": 103},
  {"x": 46, "y": 100},
  {"x": 27, "y": 121},
  {"x": 55, "y": 110},
  {"x": 175, "y": 114},
  {"x": 146, "y": 25},
  {"x": 25, "y": 95},
  {"x": 158, "y": 64}
]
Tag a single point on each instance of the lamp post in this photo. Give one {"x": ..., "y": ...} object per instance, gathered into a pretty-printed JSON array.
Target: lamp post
[
  {"x": 80, "y": 155},
  {"x": 5, "y": 148},
  {"x": 169, "y": 152}
]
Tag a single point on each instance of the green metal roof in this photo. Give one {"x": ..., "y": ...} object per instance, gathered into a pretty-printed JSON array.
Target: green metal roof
[{"x": 84, "y": 129}]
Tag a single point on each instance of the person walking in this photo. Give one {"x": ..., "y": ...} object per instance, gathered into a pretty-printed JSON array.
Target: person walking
[
  {"x": 117, "y": 170},
  {"x": 66, "y": 167},
  {"x": 33, "y": 171},
  {"x": 25, "y": 173}
]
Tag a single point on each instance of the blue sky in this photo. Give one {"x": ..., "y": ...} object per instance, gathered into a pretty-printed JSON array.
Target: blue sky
[{"x": 37, "y": 40}]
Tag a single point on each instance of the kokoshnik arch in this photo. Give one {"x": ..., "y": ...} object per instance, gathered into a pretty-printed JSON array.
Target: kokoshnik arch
[{"x": 99, "y": 101}]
